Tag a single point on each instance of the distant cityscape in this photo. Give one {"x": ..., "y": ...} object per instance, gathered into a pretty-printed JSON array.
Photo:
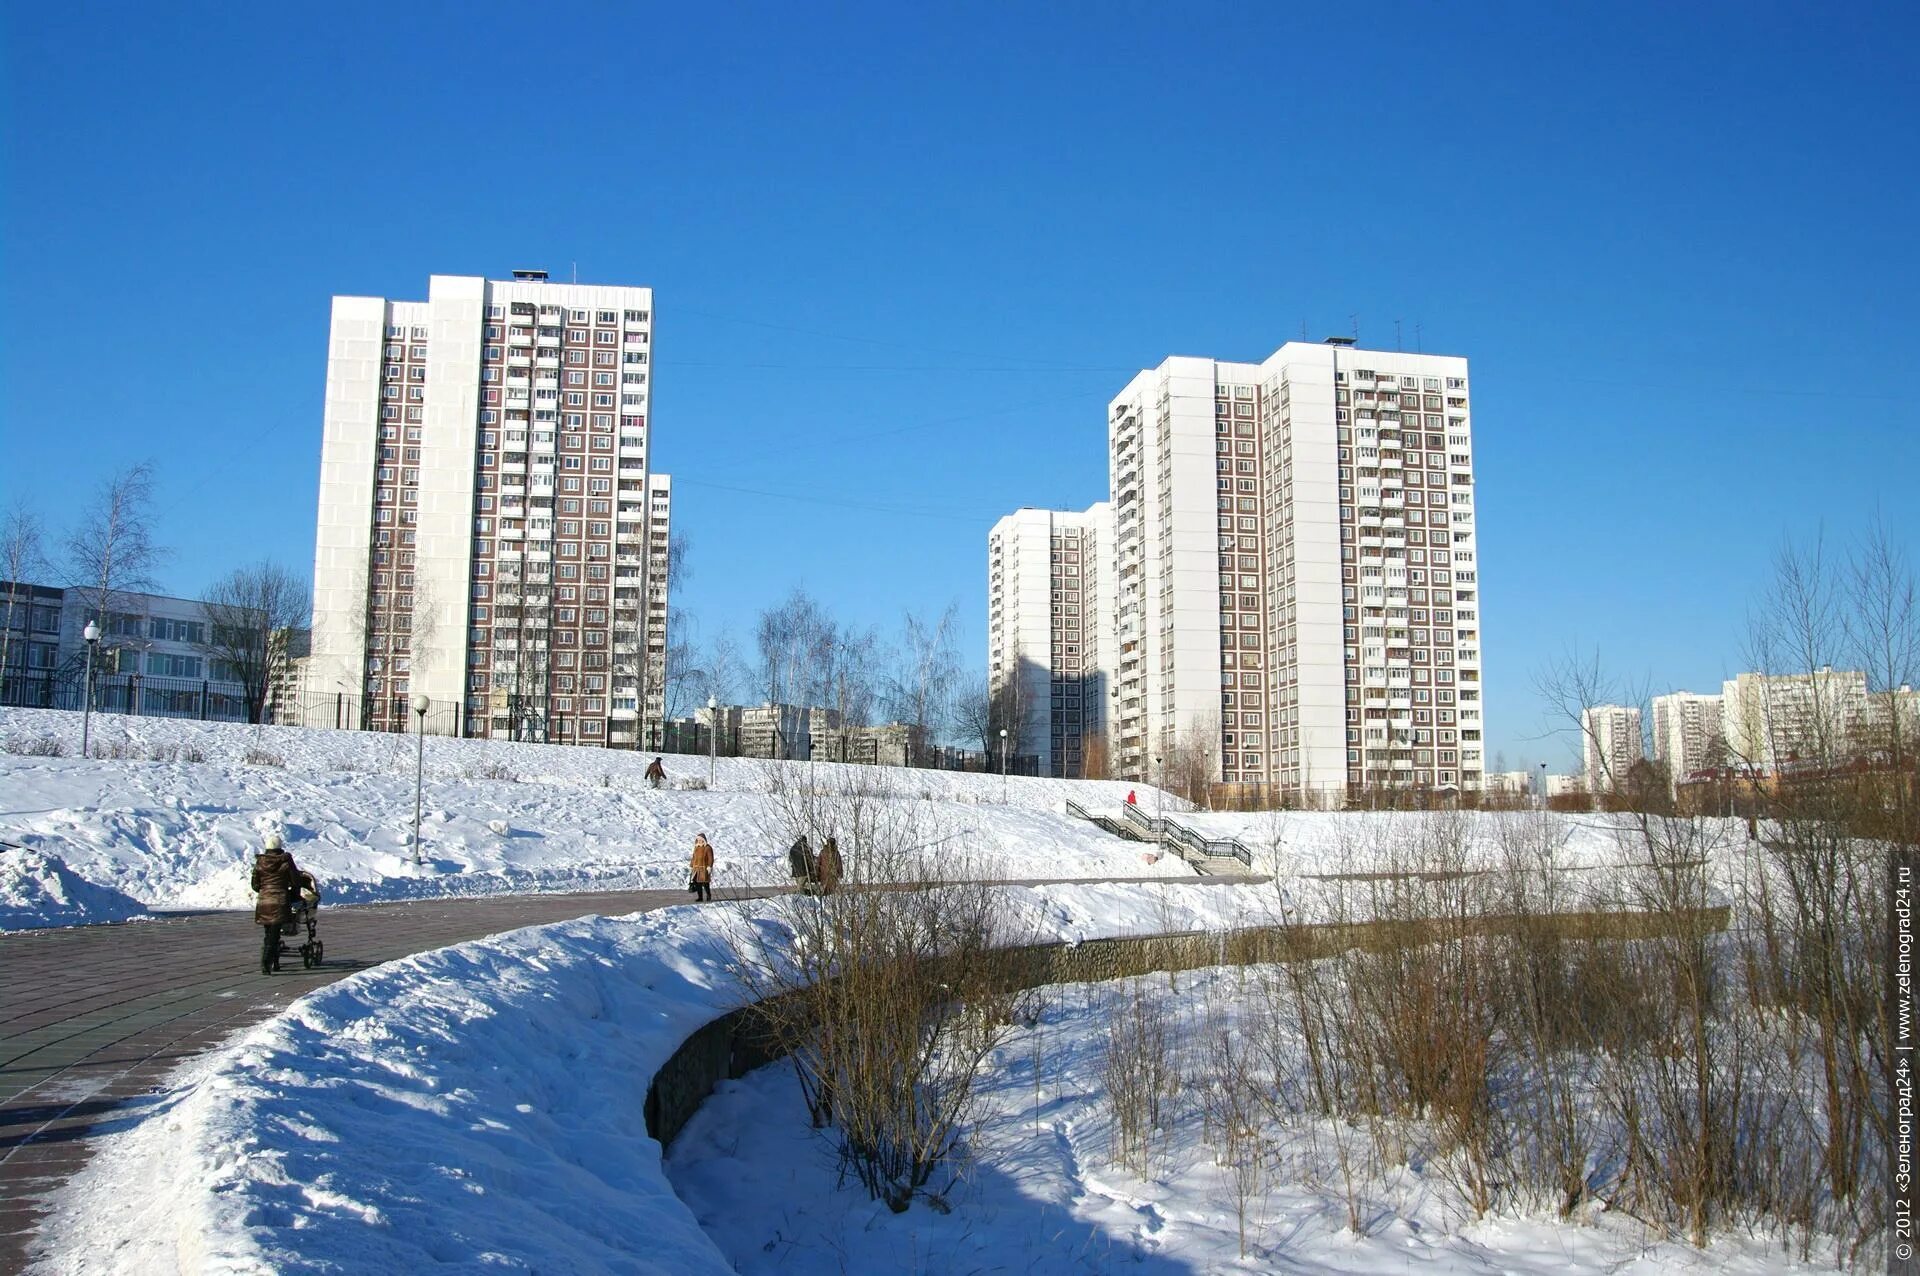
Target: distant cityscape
[{"x": 1278, "y": 600}]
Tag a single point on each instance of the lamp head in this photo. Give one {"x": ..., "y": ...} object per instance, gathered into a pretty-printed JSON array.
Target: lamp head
[
  {"x": 91, "y": 633},
  {"x": 421, "y": 704}
]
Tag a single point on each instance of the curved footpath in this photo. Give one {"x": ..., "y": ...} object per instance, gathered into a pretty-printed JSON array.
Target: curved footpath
[{"x": 93, "y": 1018}]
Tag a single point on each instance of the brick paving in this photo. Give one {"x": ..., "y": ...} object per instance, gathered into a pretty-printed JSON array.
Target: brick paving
[{"x": 93, "y": 1018}]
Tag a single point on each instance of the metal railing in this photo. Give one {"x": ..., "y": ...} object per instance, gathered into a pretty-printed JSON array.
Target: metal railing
[{"x": 129, "y": 693}]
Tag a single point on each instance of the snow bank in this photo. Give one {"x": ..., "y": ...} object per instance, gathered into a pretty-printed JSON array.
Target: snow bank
[
  {"x": 37, "y": 889},
  {"x": 173, "y": 821},
  {"x": 480, "y": 1105}
]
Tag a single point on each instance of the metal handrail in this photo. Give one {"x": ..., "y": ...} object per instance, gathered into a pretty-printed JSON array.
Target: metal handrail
[{"x": 1212, "y": 848}]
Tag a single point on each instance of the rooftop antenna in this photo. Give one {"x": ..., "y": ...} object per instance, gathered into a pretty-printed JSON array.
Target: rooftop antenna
[
  {"x": 1398, "y": 348},
  {"x": 576, "y": 272},
  {"x": 1418, "y": 346},
  {"x": 1303, "y": 330},
  {"x": 1355, "y": 320}
]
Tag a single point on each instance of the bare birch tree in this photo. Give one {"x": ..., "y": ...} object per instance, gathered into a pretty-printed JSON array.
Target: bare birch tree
[
  {"x": 921, "y": 691},
  {"x": 111, "y": 551},
  {"x": 22, "y": 557}
]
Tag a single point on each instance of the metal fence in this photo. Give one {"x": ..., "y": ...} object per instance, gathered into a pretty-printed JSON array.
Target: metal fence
[{"x": 129, "y": 693}]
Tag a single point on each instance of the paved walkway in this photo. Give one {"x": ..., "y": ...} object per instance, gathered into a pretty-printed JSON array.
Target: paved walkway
[{"x": 93, "y": 1018}]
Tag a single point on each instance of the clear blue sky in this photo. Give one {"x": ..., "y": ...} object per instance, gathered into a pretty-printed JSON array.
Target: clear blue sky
[{"x": 904, "y": 254}]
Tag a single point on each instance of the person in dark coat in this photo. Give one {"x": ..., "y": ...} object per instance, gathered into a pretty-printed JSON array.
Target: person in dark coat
[
  {"x": 801, "y": 865},
  {"x": 275, "y": 879},
  {"x": 829, "y": 867},
  {"x": 656, "y": 774},
  {"x": 700, "y": 870}
]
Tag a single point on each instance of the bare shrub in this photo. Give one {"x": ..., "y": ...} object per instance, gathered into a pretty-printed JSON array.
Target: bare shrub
[
  {"x": 257, "y": 756},
  {"x": 37, "y": 746},
  {"x": 490, "y": 771},
  {"x": 888, "y": 995},
  {"x": 1140, "y": 1072}
]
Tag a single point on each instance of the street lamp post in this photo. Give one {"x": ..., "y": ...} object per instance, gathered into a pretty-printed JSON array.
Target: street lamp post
[
  {"x": 1160, "y": 799},
  {"x": 1004, "y": 792},
  {"x": 713, "y": 737},
  {"x": 92, "y": 634},
  {"x": 420, "y": 707},
  {"x": 1543, "y": 786}
]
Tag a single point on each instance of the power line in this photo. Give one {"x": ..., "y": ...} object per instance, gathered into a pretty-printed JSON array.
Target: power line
[
  {"x": 865, "y": 341},
  {"x": 809, "y": 499}
]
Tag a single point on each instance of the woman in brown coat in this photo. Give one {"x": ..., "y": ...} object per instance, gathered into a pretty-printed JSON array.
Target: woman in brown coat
[
  {"x": 275, "y": 877},
  {"x": 700, "y": 878},
  {"x": 829, "y": 867}
]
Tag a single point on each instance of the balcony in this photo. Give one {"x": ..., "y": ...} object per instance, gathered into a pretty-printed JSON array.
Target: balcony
[{"x": 518, "y": 361}]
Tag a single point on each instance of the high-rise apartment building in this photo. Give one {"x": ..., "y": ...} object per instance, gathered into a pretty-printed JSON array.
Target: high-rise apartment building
[
  {"x": 1610, "y": 744},
  {"x": 1777, "y": 721},
  {"x": 490, "y": 532},
  {"x": 1687, "y": 734},
  {"x": 1048, "y": 577},
  {"x": 1296, "y": 590}
]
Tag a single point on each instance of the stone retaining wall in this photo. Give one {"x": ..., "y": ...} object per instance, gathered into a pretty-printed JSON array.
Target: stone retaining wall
[{"x": 732, "y": 1046}]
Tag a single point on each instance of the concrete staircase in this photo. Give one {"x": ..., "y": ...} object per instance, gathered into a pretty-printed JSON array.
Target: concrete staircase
[{"x": 1222, "y": 856}]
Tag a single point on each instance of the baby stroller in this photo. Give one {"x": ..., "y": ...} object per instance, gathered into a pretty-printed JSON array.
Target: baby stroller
[
  {"x": 303, "y": 910},
  {"x": 305, "y": 906}
]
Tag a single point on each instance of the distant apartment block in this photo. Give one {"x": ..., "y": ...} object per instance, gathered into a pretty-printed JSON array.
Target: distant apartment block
[
  {"x": 1296, "y": 591},
  {"x": 1049, "y": 573},
  {"x": 491, "y": 532},
  {"x": 1687, "y": 734},
  {"x": 1776, "y": 721},
  {"x": 1610, "y": 744}
]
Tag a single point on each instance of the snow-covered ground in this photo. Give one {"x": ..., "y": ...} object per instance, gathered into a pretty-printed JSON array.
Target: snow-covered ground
[
  {"x": 1044, "y": 1195},
  {"x": 481, "y": 1107},
  {"x": 172, "y": 820}
]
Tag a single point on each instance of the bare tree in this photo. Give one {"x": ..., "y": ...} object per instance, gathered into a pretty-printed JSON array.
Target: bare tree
[
  {"x": 22, "y": 557},
  {"x": 973, "y": 716},
  {"x": 111, "y": 551},
  {"x": 921, "y": 692},
  {"x": 790, "y": 637},
  {"x": 846, "y": 678},
  {"x": 726, "y": 669},
  {"x": 250, "y": 617}
]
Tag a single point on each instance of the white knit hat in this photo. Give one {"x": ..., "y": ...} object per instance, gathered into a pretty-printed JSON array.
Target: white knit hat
[{"x": 272, "y": 841}]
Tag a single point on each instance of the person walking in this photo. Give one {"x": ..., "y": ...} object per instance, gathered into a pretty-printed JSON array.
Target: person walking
[
  {"x": 801, "y": 866},
  {"x": 275, "y": 877},
  {"x": 700, "y": 870},
  {"x": 1132, "y": 798},
  {"x": 656, "y": 774},
  {"x": 828, "y": 866}
]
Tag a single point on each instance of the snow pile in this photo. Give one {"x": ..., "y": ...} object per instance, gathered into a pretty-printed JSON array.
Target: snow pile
[
  {"x": 174, "y": 820},
  {"x": 480, "y": 1105},
  {"x": 37, "y": 889}
]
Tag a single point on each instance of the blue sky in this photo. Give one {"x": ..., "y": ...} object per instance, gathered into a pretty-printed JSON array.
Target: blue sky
[{"x": 904, "y": 254}]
